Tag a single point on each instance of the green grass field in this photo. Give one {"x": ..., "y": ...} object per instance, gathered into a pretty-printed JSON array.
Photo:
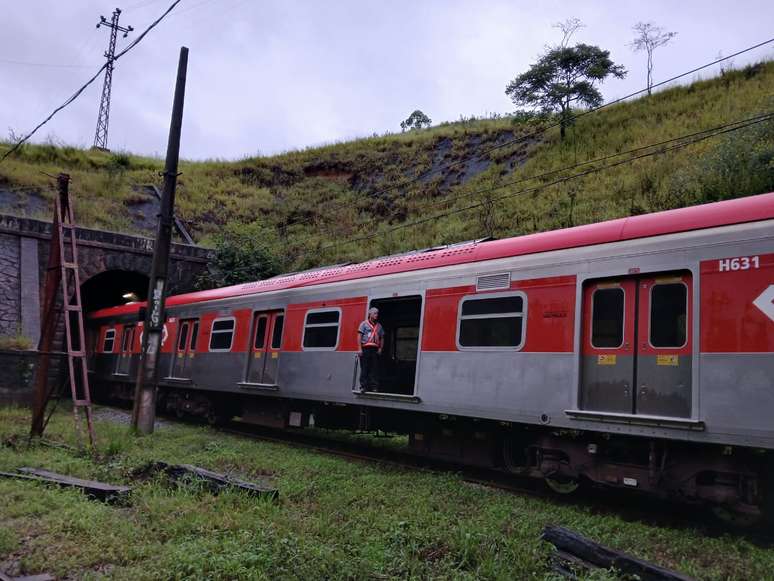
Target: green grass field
[{"x": 335, "y": 519}]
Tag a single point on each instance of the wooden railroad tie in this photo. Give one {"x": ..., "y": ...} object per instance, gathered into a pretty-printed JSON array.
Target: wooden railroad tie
[
  {"x": 97, "y": 490},
  {"x": 576, "y": 550},
  {"x": 213, "y": 481}
]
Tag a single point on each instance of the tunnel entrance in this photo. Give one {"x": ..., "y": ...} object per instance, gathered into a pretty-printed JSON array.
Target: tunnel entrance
[{"x": 113, "y": 287}]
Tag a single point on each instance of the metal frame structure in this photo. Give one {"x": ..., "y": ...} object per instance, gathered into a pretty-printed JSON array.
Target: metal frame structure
[
  {"x": 103, "y": 118},
  {"x": 63, "y": 272}
]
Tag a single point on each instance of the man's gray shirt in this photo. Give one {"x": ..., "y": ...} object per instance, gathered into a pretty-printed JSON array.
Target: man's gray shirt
[{"x": 365, "y": 332}]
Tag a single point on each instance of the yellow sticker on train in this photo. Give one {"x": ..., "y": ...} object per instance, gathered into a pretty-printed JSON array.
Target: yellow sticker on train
[
  {"x": 672, "y": 360},
  {"x": 606, "y": 359}
]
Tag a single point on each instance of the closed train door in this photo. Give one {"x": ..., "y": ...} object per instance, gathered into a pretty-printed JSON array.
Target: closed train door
[
  {"x": 185, "y": 348},
  {"x": 637, "y": 345},
  {"x": 124, "y": 361},
  {"x": 263, "y": 358}
]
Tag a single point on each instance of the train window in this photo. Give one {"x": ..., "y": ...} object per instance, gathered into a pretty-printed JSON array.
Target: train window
[
  {"x": 607, "y": 318},
  {"x": 668, "y": 315},
  {"x": 276, "y": 336},
  {"x": 260, "y": 333},
  {"x": 127, "y": 339},
  {"x": 492, "y": 321},
  {"x": 222, "y": 335},
  {"x": 194, "y": 334},
  {"x": 181, "y": 340},
  {"x": 321, "y": 329},
  {"x": 110, "y": 339}
]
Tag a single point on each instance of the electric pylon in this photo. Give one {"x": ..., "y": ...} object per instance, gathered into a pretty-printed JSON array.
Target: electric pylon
[{"x": 103, "y": 120}]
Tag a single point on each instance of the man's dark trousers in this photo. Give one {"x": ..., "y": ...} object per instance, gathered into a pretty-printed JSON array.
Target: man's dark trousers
[{"x": 369, "y": 369}]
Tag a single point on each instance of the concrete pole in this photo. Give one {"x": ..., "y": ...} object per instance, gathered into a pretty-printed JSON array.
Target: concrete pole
[{"x": 144, "y": 411}]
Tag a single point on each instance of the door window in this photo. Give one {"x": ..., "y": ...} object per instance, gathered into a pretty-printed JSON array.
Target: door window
[
  {"x": 183, "y": 337},
  {"x": 607, "y": 318},
  {"x": 260, "y": 333},
  {"x": 668, "y": 315},
  {"x": 276, "y": 336},
  {"x": 110, "y": 338}
]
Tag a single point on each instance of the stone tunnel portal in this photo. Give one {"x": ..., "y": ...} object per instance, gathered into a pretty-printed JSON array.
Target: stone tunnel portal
[{"x": 113, "y": 287}]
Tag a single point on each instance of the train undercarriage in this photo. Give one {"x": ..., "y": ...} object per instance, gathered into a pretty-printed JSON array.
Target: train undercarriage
[{"x": 736, "y": 483}]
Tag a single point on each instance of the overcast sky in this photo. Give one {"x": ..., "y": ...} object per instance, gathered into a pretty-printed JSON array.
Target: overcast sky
[{"x": 270, "y": 75}]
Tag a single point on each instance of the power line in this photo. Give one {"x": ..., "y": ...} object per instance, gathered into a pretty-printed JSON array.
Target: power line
[
  {"x": 712, "y": 131},
  {"x": 77, "y": 93},
  {"x": 467, "y": 194},
  {"x": 537, "y": 133},
  {"x": 720, "y": 130}
]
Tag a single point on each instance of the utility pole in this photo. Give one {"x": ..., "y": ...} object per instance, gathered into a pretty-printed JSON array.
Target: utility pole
[
  {"x": 103, "y": 119},
  {"x": 144, "y": 411}
]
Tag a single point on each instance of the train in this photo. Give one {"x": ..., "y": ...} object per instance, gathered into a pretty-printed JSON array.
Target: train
[{"x": 632, "y": 353}]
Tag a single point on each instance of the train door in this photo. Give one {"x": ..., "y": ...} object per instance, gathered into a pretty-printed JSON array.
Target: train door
[
  {"x": 664, "y": 346},
  {"x": 124, "y": 361},
  {"x": 636, "y": 346},
  {"x": 185, "y": 347},
  {"x": 400, "y": 318},
  {"x": 263, "y": 359}
]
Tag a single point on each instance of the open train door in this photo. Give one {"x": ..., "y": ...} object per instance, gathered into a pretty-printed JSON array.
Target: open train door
[
  {"x": 636, "y": 351},
  {"x": 400, "y": 317}
]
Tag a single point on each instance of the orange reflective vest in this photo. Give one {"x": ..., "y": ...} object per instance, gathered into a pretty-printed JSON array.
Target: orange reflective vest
[{"x": 373, "y": 339}]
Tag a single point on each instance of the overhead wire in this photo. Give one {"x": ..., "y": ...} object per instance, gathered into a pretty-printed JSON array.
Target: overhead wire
[
  {"x": 684, "y": 141},
  {"x": 467, "y": 194},
  {"x": 538, "y": 132},
  {"x": 77, "y": 93}
]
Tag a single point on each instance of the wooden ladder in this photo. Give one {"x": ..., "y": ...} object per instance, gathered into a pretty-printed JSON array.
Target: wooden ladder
[{"x": 63, "y": 267}]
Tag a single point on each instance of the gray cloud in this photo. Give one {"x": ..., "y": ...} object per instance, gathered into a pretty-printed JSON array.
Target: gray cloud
[{"x": 274, "y": 75}]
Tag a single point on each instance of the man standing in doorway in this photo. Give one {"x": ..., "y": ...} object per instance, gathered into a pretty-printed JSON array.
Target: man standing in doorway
[{"x": 370, "y": 342}]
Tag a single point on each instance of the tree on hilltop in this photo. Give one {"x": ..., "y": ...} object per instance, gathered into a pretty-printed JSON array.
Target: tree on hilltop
[
  {"x": 565, "y": 76},
  {"x": 417, "y": 120},
  {"x": 649, "y": 38}
]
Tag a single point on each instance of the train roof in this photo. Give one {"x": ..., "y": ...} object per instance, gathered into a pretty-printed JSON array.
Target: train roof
[{"x": 738, "y": 211}]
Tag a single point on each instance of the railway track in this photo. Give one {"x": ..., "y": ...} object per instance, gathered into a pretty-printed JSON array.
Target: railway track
[{"x": 644, "y": 509}]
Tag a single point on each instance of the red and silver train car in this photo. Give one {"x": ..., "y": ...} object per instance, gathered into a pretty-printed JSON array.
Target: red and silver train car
[{"x": 632, "y": 353}]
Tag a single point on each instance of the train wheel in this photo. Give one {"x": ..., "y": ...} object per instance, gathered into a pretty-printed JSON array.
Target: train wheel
[{"x": 564, "y": 486}]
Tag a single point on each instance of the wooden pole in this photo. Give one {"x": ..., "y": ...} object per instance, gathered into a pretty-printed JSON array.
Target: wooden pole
[{"x": 144, "y": 411}]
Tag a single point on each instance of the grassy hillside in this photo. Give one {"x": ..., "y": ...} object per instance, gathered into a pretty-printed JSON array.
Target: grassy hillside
[{"x": 312, "y": 201}]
